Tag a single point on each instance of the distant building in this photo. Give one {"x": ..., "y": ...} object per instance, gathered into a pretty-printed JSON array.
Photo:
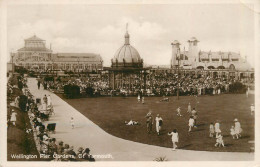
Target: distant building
[
  {"x": 36, "y": 56},
  {"x": 195, "y": 59},
  {"x": 216, "y": 63}
]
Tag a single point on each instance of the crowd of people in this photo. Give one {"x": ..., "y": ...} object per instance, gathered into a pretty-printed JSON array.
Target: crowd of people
[
  {"x": 157, "y": 84},
  {"x": 39, "y": 111}
]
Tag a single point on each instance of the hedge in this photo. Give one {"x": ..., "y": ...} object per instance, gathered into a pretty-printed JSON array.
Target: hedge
[
  {"x": 71, "y": 91},
  {"x": 22, "y": 102},
  {"x": 237, "y": 87}
]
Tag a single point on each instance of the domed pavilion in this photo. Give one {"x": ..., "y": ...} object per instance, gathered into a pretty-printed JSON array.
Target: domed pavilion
[{"x": 127, "y": 72}]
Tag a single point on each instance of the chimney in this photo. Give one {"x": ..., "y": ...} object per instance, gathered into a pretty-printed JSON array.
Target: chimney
[{"x": 50, "y": 46}]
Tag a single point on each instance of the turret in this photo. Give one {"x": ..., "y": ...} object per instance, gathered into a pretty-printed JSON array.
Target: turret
[
  {"x": 175, "y": 52},
  {"x": 193, "y": 50}
]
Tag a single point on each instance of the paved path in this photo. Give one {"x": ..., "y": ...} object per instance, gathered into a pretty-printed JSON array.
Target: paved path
[{"x": 88, "y": 134}]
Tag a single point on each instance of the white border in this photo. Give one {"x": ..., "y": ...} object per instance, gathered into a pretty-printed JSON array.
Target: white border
[{"x": 3, "y": 67}]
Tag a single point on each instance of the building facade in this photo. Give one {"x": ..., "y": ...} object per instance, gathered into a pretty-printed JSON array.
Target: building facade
[
  {"x": 36, "y": 56},
  {"x": 216, "y": 63}
]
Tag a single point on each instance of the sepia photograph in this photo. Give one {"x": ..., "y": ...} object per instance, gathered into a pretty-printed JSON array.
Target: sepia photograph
[{"x": 122, "y": 81}]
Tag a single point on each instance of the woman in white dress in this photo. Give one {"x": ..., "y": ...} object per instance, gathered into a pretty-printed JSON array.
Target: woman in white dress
[
  {"x": 13, "y": 117},
  {"x": 16, "y": 101},
  {"x": 219, "y": 91},
  {"x": 217, "y": 128},
  {"x": 238, "y": 128},
  {"x": 191, "y": 123},
  {"x": 175, "y": 138},
  {"x": 158, "y": 124}
]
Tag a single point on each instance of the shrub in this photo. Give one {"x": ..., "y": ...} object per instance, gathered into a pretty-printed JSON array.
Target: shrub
[
  {"x": 237, "y": 87},
  {"x": 22, "y": 102},
  {"x": 71, "y": 91},
  {"x": 89, "y": 91}
]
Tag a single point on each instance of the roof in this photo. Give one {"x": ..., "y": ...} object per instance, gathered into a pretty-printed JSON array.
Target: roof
[
  {"x": 176, "y": 42},
  {"x": 64, "y": 57},
  {"x": 127, "y": 54},
  {"x": 34, "y": 38},
  {"x": 193, "y": 39},
  {"x": 34, "y": 49}
]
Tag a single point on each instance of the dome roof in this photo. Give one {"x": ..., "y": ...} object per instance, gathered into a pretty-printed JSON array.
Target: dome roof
[
  {"x": 127, "y": 53},
  {"x": 193, "y": 39},
  {"x": 175, "y": 42}
]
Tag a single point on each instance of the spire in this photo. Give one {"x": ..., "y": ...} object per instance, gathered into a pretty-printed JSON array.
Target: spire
[{"x": 127, "y": 36}]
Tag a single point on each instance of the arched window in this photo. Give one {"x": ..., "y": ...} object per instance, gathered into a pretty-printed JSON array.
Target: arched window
[
  {"x": 200, "y": 67},
  {"x": 211, "y": 67},
  {"x": 221, "y": 67},
  {"x": 232, "y": 67}
]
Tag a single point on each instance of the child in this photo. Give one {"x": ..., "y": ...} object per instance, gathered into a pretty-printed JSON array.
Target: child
[
  {"x": 189, "y": 108},
  {"x": 13, "y": 117},
  {"x": 72, "y": 122},
  {"x": 232, "y": 132},
  {"x": 191, "y": 123},
  {"x": 219, "y": 140},
  {"x": 211, "y": 130},
  {"x": 175, "y": 138},
  {"x": 179, "y": 111},
  {"x": 143, "y": 100}
]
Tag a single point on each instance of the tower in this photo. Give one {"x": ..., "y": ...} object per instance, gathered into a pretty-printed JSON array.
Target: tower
[
  {"x": 175, "y": 52},
  {"x": 193, "y": 50}
]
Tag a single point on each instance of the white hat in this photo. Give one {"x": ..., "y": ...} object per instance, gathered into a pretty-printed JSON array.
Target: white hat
[{"x": 235, "y": 119}]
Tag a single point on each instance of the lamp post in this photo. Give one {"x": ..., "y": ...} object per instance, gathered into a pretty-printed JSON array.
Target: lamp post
[
  {"x": 12, "y": 55},
  {"x": 78, "y": 66},
  {"x": 52, "y": 68},
  {"x": 178, "y": 71}
]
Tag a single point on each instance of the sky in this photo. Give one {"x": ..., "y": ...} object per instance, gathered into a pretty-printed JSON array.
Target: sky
[{"x": 100, "y": 29}]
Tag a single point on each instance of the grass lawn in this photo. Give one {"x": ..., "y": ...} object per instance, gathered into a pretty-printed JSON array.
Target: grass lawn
[{"x": 110, "y": 113}]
